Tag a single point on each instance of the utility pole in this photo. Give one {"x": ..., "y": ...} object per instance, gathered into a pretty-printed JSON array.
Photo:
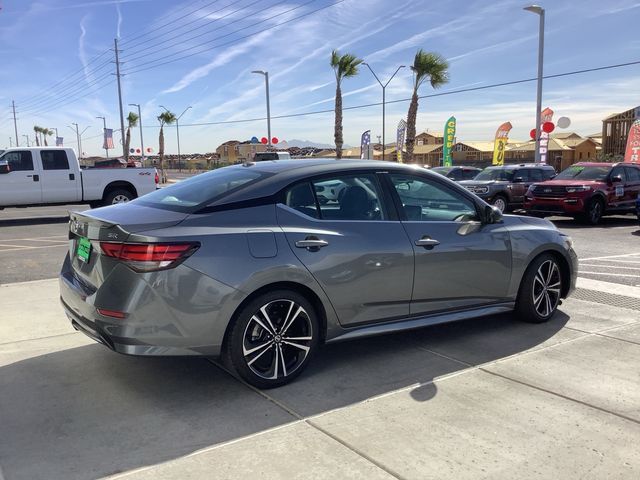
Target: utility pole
[
  {"x": 104, "y": 138},
  {"x": 15, "y": 124},
  {"x": 10, "y": 142},
  {"x": 78, "y": 140},
  {"x": 124, "y": 153},
  {"x": 27, "y": 137},
  {"x": 266, "y": 83}
]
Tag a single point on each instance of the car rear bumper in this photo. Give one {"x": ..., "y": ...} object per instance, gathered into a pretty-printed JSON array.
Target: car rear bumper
[
  {"x": 157, "y": 323},
  {"x": 555, "y": 206}
]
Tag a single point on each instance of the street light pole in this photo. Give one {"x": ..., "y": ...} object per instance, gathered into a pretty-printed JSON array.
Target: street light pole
[
  {"x": 104, "y": 131},
  {"x": 266, "y": 81},
  {"x": 140, "y": 124},
  {"x": 384, "y": 87},
  {"x": 540, "y": 12},
  {"x": 79, "y": 138},
  {"x": 27, "y": 137},
  {"x": 178, "y": 133}
]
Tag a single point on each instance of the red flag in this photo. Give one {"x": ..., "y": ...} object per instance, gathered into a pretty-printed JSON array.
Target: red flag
[{"x": 632, "y": 153}]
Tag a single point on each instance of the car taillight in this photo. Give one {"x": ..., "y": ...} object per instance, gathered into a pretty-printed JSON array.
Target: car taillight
[{"x": 148, "y": 257}]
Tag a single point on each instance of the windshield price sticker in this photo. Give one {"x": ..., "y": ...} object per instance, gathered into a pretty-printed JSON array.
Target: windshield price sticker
[{"x": 84, "y": 249}]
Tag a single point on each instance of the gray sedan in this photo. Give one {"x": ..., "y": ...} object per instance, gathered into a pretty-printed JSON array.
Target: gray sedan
[{"x": 246, "y": 263}]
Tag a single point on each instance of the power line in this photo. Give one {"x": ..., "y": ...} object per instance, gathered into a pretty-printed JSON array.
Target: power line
[
  {"x": 233, "y": 12},
  {"x": 441, "y": 94},
  {"x": 232, "y": 41}
]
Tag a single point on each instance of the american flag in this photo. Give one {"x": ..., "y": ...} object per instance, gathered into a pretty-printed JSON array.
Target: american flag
[
  {"x": 59, "y": 141},
  {"x": 364, "y": 144},
  {"x": 108, "y": 139}
]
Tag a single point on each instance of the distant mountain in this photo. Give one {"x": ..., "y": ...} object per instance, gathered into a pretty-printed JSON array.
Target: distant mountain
[{"x": 308, "y": 143}]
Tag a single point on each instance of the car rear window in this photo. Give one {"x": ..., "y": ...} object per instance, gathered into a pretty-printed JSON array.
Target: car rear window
[{"x": 189, "y": 195}]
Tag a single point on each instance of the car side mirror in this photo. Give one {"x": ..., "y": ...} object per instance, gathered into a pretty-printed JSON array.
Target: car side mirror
[
  {"x": 616, "y": 179},
  {"x": 518, "y": 180},
  {"x": 553, "y": 176},
  {"x": 492, "y": 214},
  {"x": 4, "y": 167}
]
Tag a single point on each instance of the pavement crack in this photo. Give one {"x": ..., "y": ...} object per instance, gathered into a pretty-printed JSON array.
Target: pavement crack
[{"x": 560, "y": 395}]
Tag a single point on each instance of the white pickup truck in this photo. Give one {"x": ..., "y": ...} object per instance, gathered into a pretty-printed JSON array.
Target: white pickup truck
[{"x": 52, "y": 175}]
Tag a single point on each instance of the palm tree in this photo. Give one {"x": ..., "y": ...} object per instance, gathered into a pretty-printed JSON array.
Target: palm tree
[
  {"x": 426, "y": 65},
  {"x": 132, "y": 121},
  {"x": 165, "y": 118},
  {"x": 38, "y": 130},
  {"x": 344, "y": 66},
  {"x": 45, "y": 133}
]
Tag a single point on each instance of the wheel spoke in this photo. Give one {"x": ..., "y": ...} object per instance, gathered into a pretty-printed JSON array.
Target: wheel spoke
[
  {"x": 291, "y": 320},
  {"x": 554, "y": 290},
  {"x": 555, "y": 285},
  {"x": 255, "y": 349},
  {"x": 261, "y": 323},
  {"x": 552, "y": 270},
  {"x": 258, "y": 356},
  {"x": 276, "y": 357},
  {"x": 297, "y": 338},
  {"x": 266, "y": 317},
  {"x": 539, "y": 278},
  {"x": 297, "y": 345},
  {"x": 548, "y": 302},
  {"x": 536, "y": 300},
  {"x": 284, "y": 366}
]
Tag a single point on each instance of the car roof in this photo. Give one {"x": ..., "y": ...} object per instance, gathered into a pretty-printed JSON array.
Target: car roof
[{"x": 521, "y": 165}]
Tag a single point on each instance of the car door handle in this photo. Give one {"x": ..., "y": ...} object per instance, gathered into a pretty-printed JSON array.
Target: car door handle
[
  {"x": 313, "y": 244},
  {"x": 427, "y": 242}
]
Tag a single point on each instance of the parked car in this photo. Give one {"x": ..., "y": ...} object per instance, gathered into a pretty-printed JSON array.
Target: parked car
[
  {"x": 262, "y": 156},
  {"x": 504, "y": 186},
  {"x": 638, "y": 208},
  {"x": 52, "y": 175},
  {"x": 587, "y": 191},
  {"x": 458, "y": 173},
  {"x": 243, "y": 262},
  {"x": 330, "y": 191}
]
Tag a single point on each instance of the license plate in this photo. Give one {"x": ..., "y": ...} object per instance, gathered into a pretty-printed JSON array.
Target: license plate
[{"x": 83, "y": 251}]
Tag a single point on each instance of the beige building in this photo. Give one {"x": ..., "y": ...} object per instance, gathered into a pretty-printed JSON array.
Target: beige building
[
  {"x": 564, "y": 149},
  {"x": 615, "y": 129},
  {"x": 429, "y": 138},
  {"x": 235, "y": 151}
]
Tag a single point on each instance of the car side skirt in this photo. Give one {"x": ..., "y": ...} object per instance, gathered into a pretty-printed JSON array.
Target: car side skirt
[{"x": 424, "y": 321}]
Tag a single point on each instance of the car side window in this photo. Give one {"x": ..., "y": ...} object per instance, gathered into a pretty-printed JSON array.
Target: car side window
[
  {"x": 535, "y": 175},
  {"x": 469, "y": 174},
  {"x": 54, "y": 160},
  {"x": 633, "y": 174},
  {"x": 522, "y": 173},
  {"x": 548, "y": 173},
  {"x": 349, "y": 197},
  {"x": 618, "y": 171},
  {"x": 426, "y": 200},
  {"x": 456, "y": 175},
  {"x": 300, "y": 197},
  {"x": 19, "y": 161}
]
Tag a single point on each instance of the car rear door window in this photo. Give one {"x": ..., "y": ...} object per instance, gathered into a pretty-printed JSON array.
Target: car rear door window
[
  {"x": 426, "y": 200},
  {"x": 300, "y": 197},
  {"x": 618, "y": 172},
  {"x": 456, "y": 175},
  {"x": 469, "y": 174},
  {"x": 633, "y": 174},
  {"x": 535, "y": 175},
  {"x": 355, "y": 197},
  {"x": 19, "y": 161},
  {"x": 523, "y": 174},
  {"x": 54, "y": 160}
]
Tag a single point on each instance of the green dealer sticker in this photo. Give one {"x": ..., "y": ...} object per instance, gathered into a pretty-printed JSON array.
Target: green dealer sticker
[{"x": 84, "y": 249}]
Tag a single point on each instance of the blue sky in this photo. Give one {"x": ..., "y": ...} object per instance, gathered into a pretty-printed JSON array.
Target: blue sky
[{"x": 66, "y": 42}]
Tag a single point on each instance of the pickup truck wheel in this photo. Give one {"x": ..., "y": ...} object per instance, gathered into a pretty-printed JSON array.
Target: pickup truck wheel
[
  {"x": 499, "y": 201},
  {"x": 118, "y": 196}
]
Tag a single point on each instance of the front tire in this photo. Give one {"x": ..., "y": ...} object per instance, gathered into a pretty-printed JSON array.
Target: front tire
[
  {"x": 595, "y": 209},
  {"x": 540, "y": 290},
  {"x": 273, "y": 338},
  {"x": 500, "y": 201}
]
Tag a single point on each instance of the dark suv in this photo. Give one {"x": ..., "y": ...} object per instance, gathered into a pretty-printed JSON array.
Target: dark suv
[
  {"x": 505, "y": 186},
  {"x": 587, "y": 190},
  {"x": 458, "y": 173}
]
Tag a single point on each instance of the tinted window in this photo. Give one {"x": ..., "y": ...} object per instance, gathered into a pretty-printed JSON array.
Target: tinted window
[
  {"x": 354, "y": 197},
  {"x": 547, "y": 173},
  {"x": 523, "y": 174},
  {"x": 618, "y": 171},
  {"x": 469, "y": 174},
  {"x": 535, "y": 175},
  {"x": 202, "y": 189},
  {"x": 633, "y": 174},
  {"x": 496, "y": 174},
  {"x": 300, "y": 197},
  {"x": 425, "y": 200},
  {"x": 455, "y": 175},
  {"x": 19, "y": 161},
  {"x": 581, "y": 172},
  {"x": 54, "y": 160}
]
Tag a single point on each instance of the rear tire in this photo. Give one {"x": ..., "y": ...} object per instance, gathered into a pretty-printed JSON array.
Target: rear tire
[
  {"x": 272, "y": 339},
  {"x": 118, "y": 196},
  {"x": 540, "y": 290}
]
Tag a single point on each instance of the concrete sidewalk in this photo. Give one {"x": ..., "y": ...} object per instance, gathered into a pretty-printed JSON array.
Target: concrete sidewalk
[{"x": 488, "y": 398}]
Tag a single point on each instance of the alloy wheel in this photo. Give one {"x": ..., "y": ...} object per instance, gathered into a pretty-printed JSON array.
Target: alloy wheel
[
  {"x": 595, "y": 212},
  {"x": 500, "y": 204},
  {"x": 120, "y": 199},
  {"x": 546, "y": 288},
  {"x": 277, "y": 339}
]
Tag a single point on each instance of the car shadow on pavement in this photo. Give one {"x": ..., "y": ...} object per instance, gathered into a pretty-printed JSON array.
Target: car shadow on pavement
[
  {"x": 21, "y": 222},
  {"x": 86, "y": 412},
  {"x": 605, "y": 222}
]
